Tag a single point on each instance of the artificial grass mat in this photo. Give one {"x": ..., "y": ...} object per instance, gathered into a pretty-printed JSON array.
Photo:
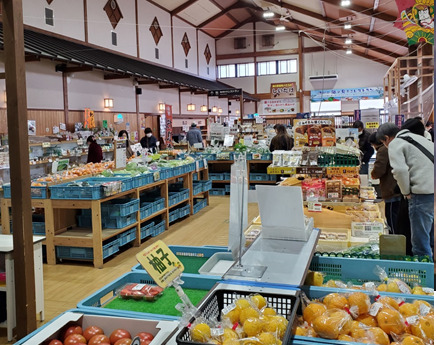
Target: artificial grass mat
[
  {"x": 164, "y": 304},
  {"x": 192, "y": 263}
]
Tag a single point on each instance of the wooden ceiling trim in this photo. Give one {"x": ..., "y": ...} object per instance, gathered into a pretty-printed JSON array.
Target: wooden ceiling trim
[
  {"x": 224, "y": 12},
  {"x": 223, "y": 9}
]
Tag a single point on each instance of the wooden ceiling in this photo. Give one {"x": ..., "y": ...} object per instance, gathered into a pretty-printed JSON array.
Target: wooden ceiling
[{"x": 372, "y": 32}]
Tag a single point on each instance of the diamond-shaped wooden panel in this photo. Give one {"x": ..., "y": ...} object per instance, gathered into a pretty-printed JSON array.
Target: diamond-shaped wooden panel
[
  {"x": 156, "y": 31},
  {"x": 185, "y": 44},
  {"x": 49, "y": 1},
  {"x": 113, "y": 12},
  {"x": 207, "y": 54}
]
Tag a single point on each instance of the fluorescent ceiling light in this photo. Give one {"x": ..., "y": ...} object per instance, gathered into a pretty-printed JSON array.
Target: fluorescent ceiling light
[
  {"x": 280, "y": 28},
  {"x": 348, "y": 41},
  {"x": 345, "y": 3},
  {"x": 349, "y": 51},
  {"x": 347, "y": 26},
  {"x": 268, "y": 14}
]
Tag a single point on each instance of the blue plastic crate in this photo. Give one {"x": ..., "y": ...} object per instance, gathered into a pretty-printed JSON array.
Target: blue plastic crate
[
  {"x": 173, "y": 198},
  {"x": 146, "y": 210},
  {"x": 259, "y": 177},
  {"x": 173, "y": 215},
  {"x": 227, "y": 187},
  {"x": 227, "y": 176},
  {"x": 183, "y": 194},
  {"x": 84, "y": 221},
  {"x": 120, "y": 207},
  {"x": 119, "y": 223},
  {"x": 158, "y": 205},
  {"x": 216, "y": 176},
  {"x": 185, "y": 211},
  {"x": 166, "y": 173},
  {"x": 92, "y": 192},
  {"x": 127, "y": 236},
  {"x": 209, "y": 156},
  {"x": 193, "y": 166},
  {"x": 217, "y": 191},
  {"x": 195, "y": 177},
  {"x": 248, "y": 156},
  {"x": 344, "y": 269},
  {"x": 97, "y": 300},
  {"x": 36, "y": 192},
  {"x": 159, "y": 228},
  {"x": 197, "y": 187},
  {"x": 38, "y": 228},
  {"x": 207, "y": 185},
  {"x": 199, "y": 204},
  {"x": 147, "y": 229},
  {"x": 82, "y": 253}
]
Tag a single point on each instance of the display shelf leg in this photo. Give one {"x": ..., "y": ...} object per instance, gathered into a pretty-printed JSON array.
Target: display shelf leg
[
  {"x": 164, "y": 194},
  {"x": 10, "y": 296},
  {"x": 49, "y": 232},
  {"x": 191, "y": 194},
  {"x": 97, "y": 234},
  {"x": 137, "y": 241},
  {"x": 6, "y": 219},
  {"x": 39, "y": 281}
]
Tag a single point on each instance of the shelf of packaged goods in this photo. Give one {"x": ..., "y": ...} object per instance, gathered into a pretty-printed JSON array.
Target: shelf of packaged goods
[
  {"x": 158, "y": 213},
  {"x": 179, "y": 203},
  {"x": 74, "y": 141}
]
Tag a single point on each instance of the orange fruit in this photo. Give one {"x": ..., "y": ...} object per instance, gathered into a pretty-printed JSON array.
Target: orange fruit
[
  {"x": 390, "y": 320},
  {"x": 332, "y": 323},
  {"x": 388, "y": 301},
  {"x": 409, "y": 309},
  {"x": 372, "y": 335},
  {"x": 345, "y": 337},
  {"x": 367, "y": 319},
  {"x": 424, "y": 328},
  {"x": 252, "y": 326},
  {"x": 247, "y": 313},
  {"x": 335, "y": 300},
  {"x": 359, "y": 301},
  {"x": 301, "y": 331},
  {"x": 312, "y": 311},
  {"x": 412, "y": 340}
]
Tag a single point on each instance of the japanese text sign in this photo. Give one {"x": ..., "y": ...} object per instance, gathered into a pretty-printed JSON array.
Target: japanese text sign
[
  {"x": 160, "y": 263},
  {"x": 284, "y": 90}
]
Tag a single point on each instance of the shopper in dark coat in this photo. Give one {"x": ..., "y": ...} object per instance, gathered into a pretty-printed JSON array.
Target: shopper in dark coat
[
  {"x": 364, "y": 146},
  {"x": 95, "y": 153},
  {"x": 390, "y": 191},
  {"x": 282, "y": 141},
  {"x": 194, "y": 135},
  {"x": 149, "y": 141}
]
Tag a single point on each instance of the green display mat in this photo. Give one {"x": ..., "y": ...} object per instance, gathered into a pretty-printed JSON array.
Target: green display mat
[
  {"x": 164, "y": 305},
  {"x": 192, "y": 263}
]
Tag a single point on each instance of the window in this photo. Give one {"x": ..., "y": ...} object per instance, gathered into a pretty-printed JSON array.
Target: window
[
  {"x": 49, "y": 19},
  {"x": 326, "y": 108},
  {"x": 245, "y": 69},
  {"x": 266, "y": 68},
  {"x": 227, "y": 71},
  {"x": 288, "y": 66}
]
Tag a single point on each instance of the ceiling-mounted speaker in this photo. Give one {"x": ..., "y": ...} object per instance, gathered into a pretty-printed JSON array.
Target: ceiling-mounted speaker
[
  {"x": 138, "y": 91},
  {"x": 229, "y": 103}
]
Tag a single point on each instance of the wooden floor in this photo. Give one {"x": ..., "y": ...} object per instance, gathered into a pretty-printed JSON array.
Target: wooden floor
[{"x": 68, "y": 283}]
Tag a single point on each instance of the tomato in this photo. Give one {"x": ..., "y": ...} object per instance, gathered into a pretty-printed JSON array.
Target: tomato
[
  {"x": 124, "y": 341},
  {"x": 55, "y": 342},
  {"x": 145, "y": 336},
  {"x": 98, "y": 339},
  {"x": 75, "y": 339},
  {"x": 72, "y": 330},
  {"x": 119, "y": 334},
  {"x": 91, "y": 331}
]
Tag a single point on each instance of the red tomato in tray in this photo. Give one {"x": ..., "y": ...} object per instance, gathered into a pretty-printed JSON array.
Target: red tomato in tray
[
  {"x": 91, "y": 331},
  {"x": 75, "y": 339},
  {"x": 55, "y": 342},
  {"x": 72, "y": 330},
  {"x": 98, "y": 339},
  {"x": 124, "y": 341},
  {"x": 119, "y": 334},
  {"x": 145, "y": 336}
]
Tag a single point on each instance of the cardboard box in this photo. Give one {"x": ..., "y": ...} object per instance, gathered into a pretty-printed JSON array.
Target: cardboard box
[{"x": 162, "y": 330}]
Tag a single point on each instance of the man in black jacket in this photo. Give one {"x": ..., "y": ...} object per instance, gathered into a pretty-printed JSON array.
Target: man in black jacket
[{"x": 364, "y": 146}]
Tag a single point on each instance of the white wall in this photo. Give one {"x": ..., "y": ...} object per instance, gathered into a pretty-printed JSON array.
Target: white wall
[
  {"x": 88, "y": 90},
  {"x": 146, "y": 42},
  {"x": 206, "y": 70},
  {"x": 68, "y": 16},
  {"x": 180, "y": 27},
  {"x": 152, "y": 96},
  {"x": 282, "y": 39},
  {"x": 100, "y": 29},
  {"x": 225, "y": 44},
  {"x": 353, "y": 71}
]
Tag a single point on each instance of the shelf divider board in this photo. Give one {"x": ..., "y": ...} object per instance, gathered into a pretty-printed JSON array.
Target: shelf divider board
[{"x": 97, "y": 236}]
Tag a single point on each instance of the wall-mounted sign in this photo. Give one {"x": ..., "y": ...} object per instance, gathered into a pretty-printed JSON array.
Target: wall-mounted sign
[
  {"x": 346, "y": 94},
  {"x": 118, "y": 118},
  {"x": 225, "y": 92},
  {"x": 284, "y": 90},
  {"x": 31, "y": 127},
  {"x": 168, "y": 125},
  {"x": 89, "y": 119},
  {"x": 279, "y": 106}
]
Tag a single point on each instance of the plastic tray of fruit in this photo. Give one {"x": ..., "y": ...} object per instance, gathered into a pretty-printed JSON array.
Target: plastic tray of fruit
[{"x": 84, "y": 327}]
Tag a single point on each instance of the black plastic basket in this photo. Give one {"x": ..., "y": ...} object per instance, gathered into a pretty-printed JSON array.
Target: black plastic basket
[{"x": 284, "y": 304}]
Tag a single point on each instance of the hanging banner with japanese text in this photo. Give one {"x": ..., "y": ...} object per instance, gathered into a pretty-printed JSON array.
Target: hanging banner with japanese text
[
  {"x": 89, "y": 119},
  {"x": 168, "y": 125},
  {"x": 278, "y": 106},
  {"x": 417, "y": 20},
  {"x": 346, "y": 94},
  {"x": 284, "y": 90}
]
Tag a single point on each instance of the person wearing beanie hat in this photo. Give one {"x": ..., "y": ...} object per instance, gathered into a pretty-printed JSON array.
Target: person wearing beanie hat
[{"x": 194, "y": 135}]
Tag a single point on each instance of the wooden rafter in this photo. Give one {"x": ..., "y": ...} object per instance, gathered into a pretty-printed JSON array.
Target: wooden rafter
[
  {"x": 168, "y": 86},
  {"x": 147, "y": 82},
  {"x": 364, "y": 10},
  {"x": 225, "y": 11},
  {"x": 116, "y": 76},
  {"x": 182, "y": 7}
]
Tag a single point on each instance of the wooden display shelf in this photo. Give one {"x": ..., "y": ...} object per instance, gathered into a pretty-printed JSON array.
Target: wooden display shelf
[
  {"x": 158, "y": 213},
  {"x": 200, "y": 194},
  {"x": 262, "y": 182},
  {"x": 179, "y": 203},
  {"x": 221, "y": 161},
  {"x": 220, "y": 181},
  {"x": 74, "y": 141},
  {"x": 109, "y": 233}
]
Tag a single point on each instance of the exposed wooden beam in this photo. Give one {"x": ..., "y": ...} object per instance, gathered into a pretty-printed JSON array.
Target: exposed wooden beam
[
  {"x": 116, "y": 76},
  {"x": 31, "y": 58},
  {"x": 168, "y": 86},
  {"x": 185, "y": 90},
  {"x": 225, "y": 11},
  {"x": 24, "y": 270},
  {"x": 182, "y": 7},
  {"x": 257, "y": 54},
  {"x": 364, "y": 10},
  {"x": 237, "y": 26},
  {"x": 308, "y": 50},
  {"x": 147, "y": 82}
]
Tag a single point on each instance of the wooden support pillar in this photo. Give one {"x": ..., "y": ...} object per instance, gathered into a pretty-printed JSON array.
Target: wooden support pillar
[
  {"x": 15, "y": 70},
  {"x": 301, "y": 72},
  {"x": 138, "y": 118},
  {"x": 65, "y": 93}
]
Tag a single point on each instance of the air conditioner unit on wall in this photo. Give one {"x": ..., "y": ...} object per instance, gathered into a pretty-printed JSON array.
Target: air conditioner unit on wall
[
  {"x": 323, "y": 81},
  {"x": 240, "y": 42},
  {"x": 329, "y": 77},
  {"x": 268, "y": 40}
]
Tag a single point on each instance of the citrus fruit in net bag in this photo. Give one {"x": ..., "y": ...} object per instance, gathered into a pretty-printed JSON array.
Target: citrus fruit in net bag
[
  {"x": 367, "y": 320},
  {"x": 372, "y": 335},
  {"x": 268, "y": 311},
  {"x": 412, "y": 340},
  {"x": 332, "y": 323},
  {"x": 252, "y": 326},
  {"x": 424, "y": 328},
  {"x": 259, "y": 301},
  {"x": 248, "y": 313},
  {"x": 276, "y": 325},
  {"x": 267, "y": 338},
  {"x": 312, "y": 311},
  {"x": 388, "y": 302},
  {"x": 390, "y": 320},
  {"x": 409, "y": 309},
  {"x": 335, "y": 300},
  {"x": 200, "y": 332},
  {"x": 359, "y": 302}
]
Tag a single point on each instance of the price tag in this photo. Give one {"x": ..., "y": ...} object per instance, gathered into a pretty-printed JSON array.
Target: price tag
[
  {"x": 310, "y": 170},
  {"x": 138, "y": 287},
  {"x": 424, "y": 309},
  {"x": 80, "y": 142},
  {"x": 228, "y": 308},
  {"x": 372, "y": 125},
  {"x": 411, "y": 320},
  {"x": 160, "y": 263},
  {"x": 45, "y": 145},
  {"x": 428, "y": 290},
  {"x": 156, "y": 176},
  {"x": 216, "y": 332},
  {"x": 314, "y": 206},
  {"x": 205, "y": 162},
  {"x": 342, "y": 171},
  {"x": 373, "y": 311},
  {"x": 197, "y": 166}
]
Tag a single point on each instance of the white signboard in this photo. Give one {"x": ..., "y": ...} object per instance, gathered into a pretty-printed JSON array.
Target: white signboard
[
  {"x": 279, "y": 106},
  {"x": 120, "y": 154}
]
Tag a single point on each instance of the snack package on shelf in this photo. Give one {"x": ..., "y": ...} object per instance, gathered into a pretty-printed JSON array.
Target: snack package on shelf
[
  {"x": 313, "y": 188},
  {"x": 140, "y": 292}
]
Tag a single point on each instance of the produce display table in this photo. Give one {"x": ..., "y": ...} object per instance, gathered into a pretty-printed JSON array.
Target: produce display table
[
  {"x": 62, "y": 230},
  {"x": 7, "y": 248}
]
